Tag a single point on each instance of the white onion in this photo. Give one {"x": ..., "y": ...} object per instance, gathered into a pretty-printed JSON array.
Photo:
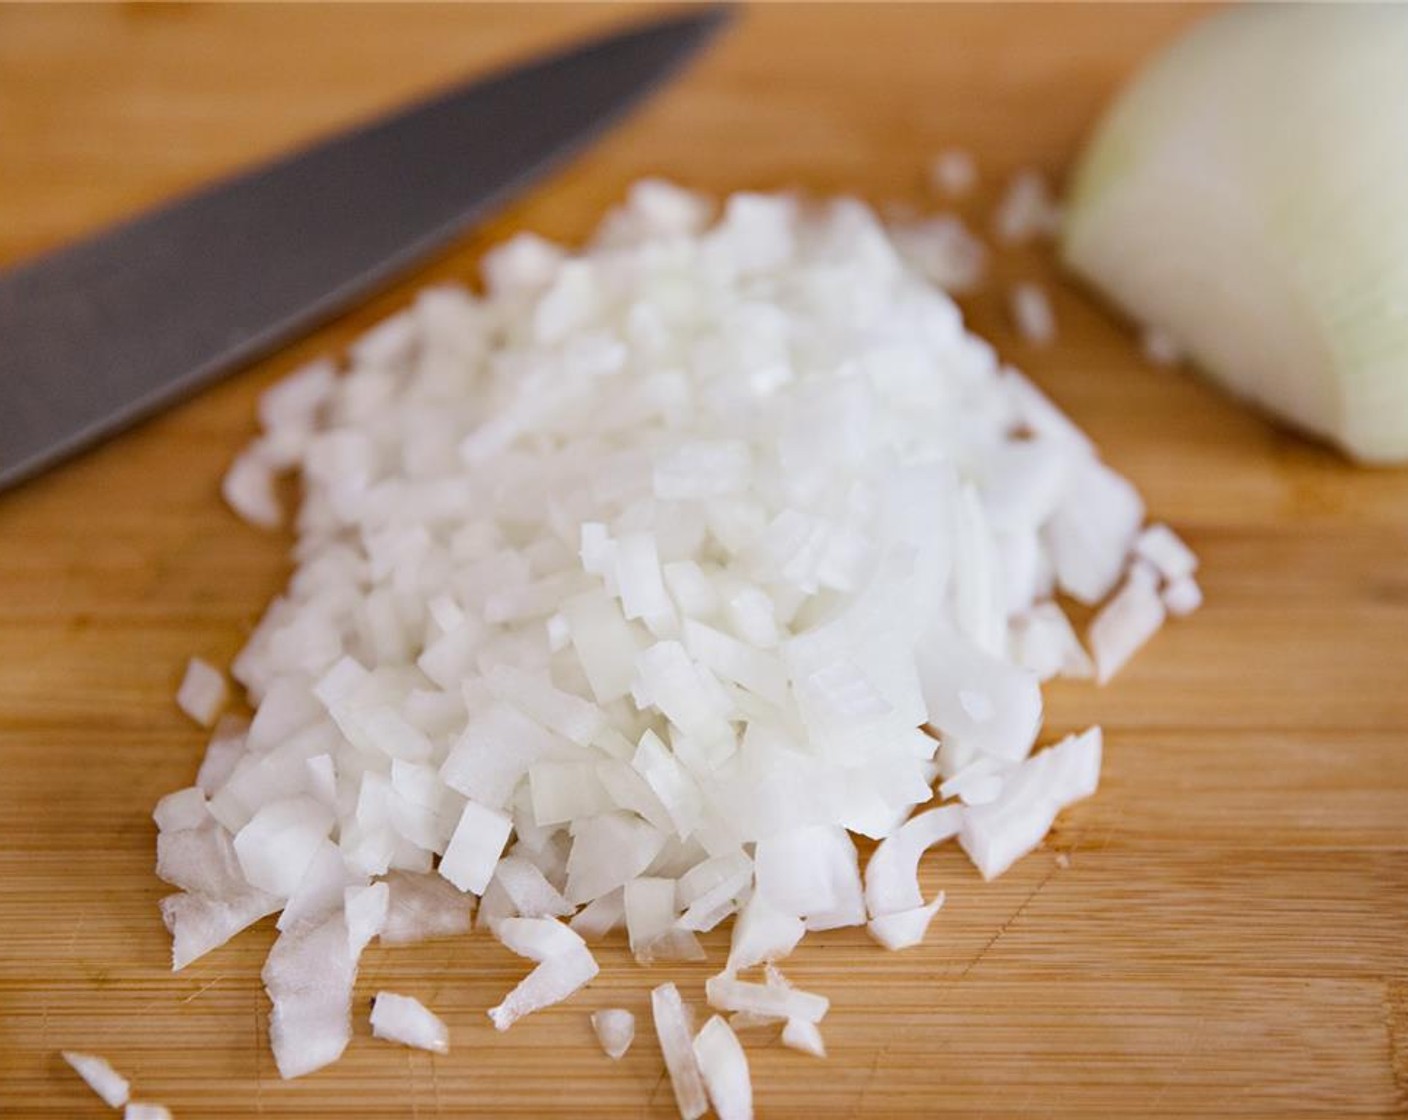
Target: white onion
[
  {"x": 1276, "y": 256},
  {"x": 763, "y": 933},
  {"x": 406, "y": 1020},
  {"x": 365, "y": 909},
  {"x": 421, "y": 907},
  {"x": 997, "y": 834},
  {"x": 309, "y": 976},
  {"x": 564, "y": 965},
  {"x": 1165, "y": 550},
  {"x": 615, "y": 1029},
  {"x": 1026, "y": 210},
  {"x": 953, "y": 172},
  {"x": 1032, "y": 314},
  {"x": 724, "y": 1068},
  {"x": 673, "y": 1029},
  {"x": 651, "y": 923},
  {"x": 891, "y": 876},
  {"x": 799, "y": 1034},
  {"x": 625, "y": 595},
  {"x": 1124, "y": 624},
  {"x": 902, "y": 929},
  {"x": 1182, "y": 596},
  {"x": 100, "y": 1077},
  {"x": 728, "y": 994},
  {"x": 475, "y": 848},
  {"x": 145, "y": 1110},
  {"x": 203, "y": 692}
]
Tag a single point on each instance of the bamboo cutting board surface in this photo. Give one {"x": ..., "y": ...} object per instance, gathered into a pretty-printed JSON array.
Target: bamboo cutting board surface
[{"x": 1229, "y": 936}]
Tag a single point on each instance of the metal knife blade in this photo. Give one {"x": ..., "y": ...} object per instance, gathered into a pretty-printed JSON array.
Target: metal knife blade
[{"x": 101, "y": 334}]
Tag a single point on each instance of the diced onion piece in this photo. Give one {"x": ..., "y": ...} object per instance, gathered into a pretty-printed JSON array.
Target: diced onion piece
[
  {"x": 309, "y": 976},
  {"x": 321, "y": 890},
  {"x": 406, "y": 1020},
  {"x": 1163, "y": 548},
  {"x": 203, "y": 692},
  {"x": 724, "y": 1068},
  {"x": 280, "y": 841},
  {"x": 365, "y": 909},
  {"x": 1093, "y": 530},
  {"x": 615, "y": 1029},
  {"x": 600, "y": 916},
  {"x": 999, "y": 833},
  {"x": 651, "y": 923},
  {"x": 1124, "y": 624},
  {"x": 901, "y": 929},
  {"x": 565, "y": 964},
  {"x": 953, "y": 172},
  {"x": 1182, "y": 596},
  {"x": 673, "y": 1029},
  {"x": 248, "y": 487},
  {"x": 475, "y": 847},
  {"x": 809, "y": 872},
  {"x": 421, "y": 907},
  {"x": 529, "y": 890},
  {"x": 728, "y": 994},
  {"x": 100, "y": 1076},
  {"x": 199, "y": 923},
  {"x": 1027, "y": 210},
  {"x": 145, "y": 1110},
  {"x": 944, "y": 251},
  {"x": 763, "y": 933},
  {"x": 799, "y": 1034},
  {"x": 608, "y": 852},
  {"x": 1031, "y": 313},
  {"x": 891, "y": 876},
  {"x": 186, "y": 808}
]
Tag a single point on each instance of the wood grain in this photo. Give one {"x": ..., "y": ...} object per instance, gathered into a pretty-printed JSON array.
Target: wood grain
[{"x": 1229, "y": 936}]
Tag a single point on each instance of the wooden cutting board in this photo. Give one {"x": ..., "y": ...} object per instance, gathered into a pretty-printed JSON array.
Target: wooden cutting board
[{"x": 1229, "y": 936}]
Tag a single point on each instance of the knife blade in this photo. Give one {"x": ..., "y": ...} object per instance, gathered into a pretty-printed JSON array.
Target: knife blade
[{"x": 99, "y": 335}]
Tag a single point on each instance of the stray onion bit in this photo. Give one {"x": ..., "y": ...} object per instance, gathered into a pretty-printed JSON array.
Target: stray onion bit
[
  {"x": 1182, "y": 596},
  {"x": 728, "y": 994},
  {"x": 1032, "y": 314},
  {"x": 145, "y": 1110},
  {"x": 100, "y": 1076},
  {"x": 1027, "y": 210},
  {"x": 673, "y": 1029},
  {"x": 724, "y": 1067},
  {"x": 630, "y": 592},
  {"x": 406, "y": 1020},
  {"x": 799, "y": 1034},
  {"x": 615, "y": 1029},
  {"x": 943, "y": 250},
  {"x": 203, "y": 692},
  {"x": 892, "y": 875},
  {"x": 904, "y": 928},
  {"x": 953, "y": 172},
  {"x": 564, "y": 965}
]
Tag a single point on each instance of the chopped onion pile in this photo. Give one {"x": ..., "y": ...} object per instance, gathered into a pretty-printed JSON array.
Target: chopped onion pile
[{"x": 626, "y": 594}]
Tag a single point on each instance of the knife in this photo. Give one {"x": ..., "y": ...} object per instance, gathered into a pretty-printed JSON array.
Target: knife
[{"x": 98, "y": 335}]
